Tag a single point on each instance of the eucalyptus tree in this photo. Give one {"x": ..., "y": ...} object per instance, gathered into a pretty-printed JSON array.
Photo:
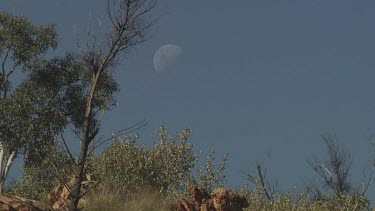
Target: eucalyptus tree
[
  {"x": 129, "y": 23},
  {"x": 39, "y": 97},
  {"x": 27, "y": 113}
]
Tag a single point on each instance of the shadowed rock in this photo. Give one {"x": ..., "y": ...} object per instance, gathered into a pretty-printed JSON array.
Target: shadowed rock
[
  {"x": 59, "y": 197},
  {"x": 17, "y": 203},
  {"x": 222, "y": 199}
]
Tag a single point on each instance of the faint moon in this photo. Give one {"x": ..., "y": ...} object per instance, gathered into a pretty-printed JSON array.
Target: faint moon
[{"x": 165, "y": 56}]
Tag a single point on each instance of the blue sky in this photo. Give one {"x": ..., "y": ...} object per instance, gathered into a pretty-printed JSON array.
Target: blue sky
[{"x": 259, "y": 79}]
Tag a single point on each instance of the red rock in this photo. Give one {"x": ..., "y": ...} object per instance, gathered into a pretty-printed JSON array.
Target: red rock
[
  {"x": 59, "y": 197},
  {"x": 222, "y": 199},
  {"x": 17, "y": 203}
]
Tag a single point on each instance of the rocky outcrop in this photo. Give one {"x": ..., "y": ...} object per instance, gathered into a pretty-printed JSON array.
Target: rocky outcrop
[
  {"x": 222, "y": 199},
  {"x": 59, "y": 197},
  {"x": 17, "y": 203}
]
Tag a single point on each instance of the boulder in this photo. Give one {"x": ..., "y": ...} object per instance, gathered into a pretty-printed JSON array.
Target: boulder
[
  {"x": 17, "y": 203},
  {"x": 221, "y": 199},
  {"x": 227, "y": 200},
  {"x": 59, "y": 197}
]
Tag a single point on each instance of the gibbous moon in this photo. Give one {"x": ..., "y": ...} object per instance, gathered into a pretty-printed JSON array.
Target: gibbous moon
[{"x": 165, "y": 56}]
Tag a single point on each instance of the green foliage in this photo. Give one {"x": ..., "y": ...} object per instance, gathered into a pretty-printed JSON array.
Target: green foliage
[
  {"x": 33, "y": 118},
  {"x": 69, "y": 81},
  {"x": 344, "y": 202},
  {"x": 30, "y": 116},
  {"x": 22, "y": 41},
  {"x": 292, "y": 202},
  {"x": 209, "y": 177},
  {"x": 137, "y": 177},
  {"x": 40, "y": 178},
  {"x": 52, "y": 95},
  {"x": 72, "y": 79},
  {"x": 21, "y": 44},
  {"x": 166, "y": 168}
]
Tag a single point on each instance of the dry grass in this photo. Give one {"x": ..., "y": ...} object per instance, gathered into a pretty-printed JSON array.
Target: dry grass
[{"x": 107, "y": 200}]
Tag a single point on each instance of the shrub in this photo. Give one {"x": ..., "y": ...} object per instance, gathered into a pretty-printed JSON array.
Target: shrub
[
  {"x": 128, "y": 167},
  {"x": 210, "y": 177},
  {"x": 302, "y": 202}
]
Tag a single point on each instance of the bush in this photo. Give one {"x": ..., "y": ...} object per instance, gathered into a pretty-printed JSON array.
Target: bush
[
  {"x": 302, "y": 202},
  {"x": 127, "y": 167},
  {"x": 210, "y": 177}
]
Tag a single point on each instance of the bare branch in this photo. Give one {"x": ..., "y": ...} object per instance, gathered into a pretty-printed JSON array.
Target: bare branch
[
  {"x": 369, "y": 179},
  {"x": 76, "y": 133},
  {"x": 259, "y": 179},
  {"x": 3, "y": 63},
  {"x": 262, "y": 180},
  {"x": 99, "y": 121},
  {"x": 335, "y": 170},
  {"x": 67, "y": 149},
  {"x": 109, "y": 13},
  {"x": 62, "y": 182},
  {"x": 143, "y": 123},
  {"x": 83, "y": 194},
  {"x": 12, "y": 70},
  {"x": 122, "y": 132}
]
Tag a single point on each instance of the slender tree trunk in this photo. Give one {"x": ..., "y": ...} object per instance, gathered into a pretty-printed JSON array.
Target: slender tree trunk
[
  {"x": 79, "y": 175},
  {"x": 9, "y": 164},
  {"x": 79, "y": 172},
  {"x": 1, "y": 168},
  {"x": 85, "y": 142},
  {"x": 4, "y": 174}
]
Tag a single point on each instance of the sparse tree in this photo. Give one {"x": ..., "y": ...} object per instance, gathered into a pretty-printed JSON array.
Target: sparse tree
[
  {"x": 129, "y": 26},
  {"x": 335, "y": 170}
]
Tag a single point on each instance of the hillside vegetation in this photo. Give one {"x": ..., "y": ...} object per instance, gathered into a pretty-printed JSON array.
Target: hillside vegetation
[{"x": 133, "y": 176}]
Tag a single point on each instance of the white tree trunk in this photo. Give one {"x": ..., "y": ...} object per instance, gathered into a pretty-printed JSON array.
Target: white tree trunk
[
  {"x": 1, "y": 167},
  {"x": 9, "y": 162}
]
